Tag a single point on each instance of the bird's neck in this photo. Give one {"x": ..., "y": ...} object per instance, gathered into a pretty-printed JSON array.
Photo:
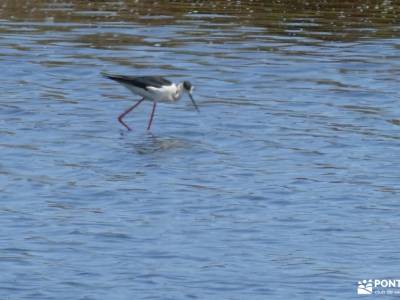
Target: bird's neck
[{"x": 179, "y": 92}]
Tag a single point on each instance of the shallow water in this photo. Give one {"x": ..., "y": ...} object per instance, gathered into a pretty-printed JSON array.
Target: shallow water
[{"x": 285, "y": 185}]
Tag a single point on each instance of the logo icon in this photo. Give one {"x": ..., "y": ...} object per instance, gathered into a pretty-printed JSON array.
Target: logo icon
[{"x": 364, "y": 287}]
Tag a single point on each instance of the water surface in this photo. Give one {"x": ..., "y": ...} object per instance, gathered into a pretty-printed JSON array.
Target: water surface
[{"x": 286, "y": 185}]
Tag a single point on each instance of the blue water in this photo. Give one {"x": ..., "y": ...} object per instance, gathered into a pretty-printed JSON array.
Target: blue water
[{"x": 284, "y": 186}]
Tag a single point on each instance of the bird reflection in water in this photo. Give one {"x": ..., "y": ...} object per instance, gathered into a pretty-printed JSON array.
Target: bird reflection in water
[{"x": 149, "y": 143}]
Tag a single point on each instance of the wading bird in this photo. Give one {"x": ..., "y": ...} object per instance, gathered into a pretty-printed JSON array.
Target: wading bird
[{"x": 152, "y": 88}]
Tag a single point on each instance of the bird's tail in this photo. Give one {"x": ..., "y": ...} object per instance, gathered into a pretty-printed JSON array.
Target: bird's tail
[
  {"x": 112, "y": 76},
  {"x": 106, "y": 75}
]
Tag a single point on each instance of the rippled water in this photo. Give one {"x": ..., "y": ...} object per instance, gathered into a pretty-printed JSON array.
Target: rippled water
[{"x": 286, "y": 185}]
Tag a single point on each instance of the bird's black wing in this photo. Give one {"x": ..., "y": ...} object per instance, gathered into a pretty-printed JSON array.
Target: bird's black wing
[{"x": 140, "y": 81}]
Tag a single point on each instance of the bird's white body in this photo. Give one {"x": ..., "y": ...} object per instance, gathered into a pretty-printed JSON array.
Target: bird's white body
[{"x": 165, "y": 93}]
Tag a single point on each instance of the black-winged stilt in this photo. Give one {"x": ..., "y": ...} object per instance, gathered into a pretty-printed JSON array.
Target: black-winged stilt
[{"x": 152, "y": 88}]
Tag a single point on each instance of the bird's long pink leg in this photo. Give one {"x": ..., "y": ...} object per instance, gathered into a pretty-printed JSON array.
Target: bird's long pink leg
[
  {"x": 152, "y": 115},
  {"x": 121, "y": 116}
]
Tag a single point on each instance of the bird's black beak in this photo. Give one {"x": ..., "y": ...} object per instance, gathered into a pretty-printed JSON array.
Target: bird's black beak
[{"x": 194, "y": 103}]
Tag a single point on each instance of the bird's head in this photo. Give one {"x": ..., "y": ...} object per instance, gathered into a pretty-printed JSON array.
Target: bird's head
[{"x": 188, "y": 87}]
